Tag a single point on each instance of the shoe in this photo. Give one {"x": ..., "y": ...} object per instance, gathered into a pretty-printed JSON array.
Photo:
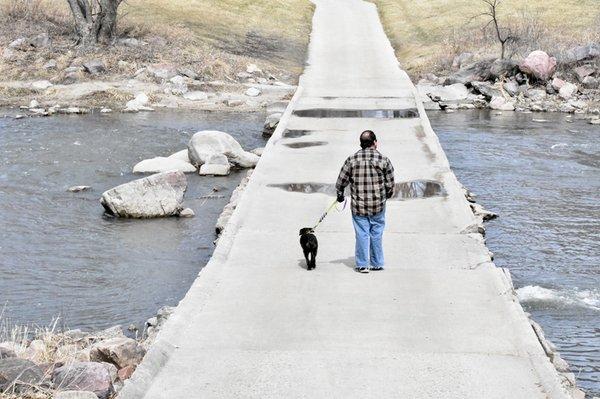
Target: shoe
[
  {"x": 362, "y": 270},
  {"x": 376, "y": 269}
]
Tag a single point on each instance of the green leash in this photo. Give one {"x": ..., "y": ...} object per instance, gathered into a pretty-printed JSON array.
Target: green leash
[{"x": 329, "y": 210}]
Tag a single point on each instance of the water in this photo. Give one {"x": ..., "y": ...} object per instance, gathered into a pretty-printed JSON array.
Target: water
[
  {"x": 60, "y": 256},
  {"x": 543, "y": 179}
]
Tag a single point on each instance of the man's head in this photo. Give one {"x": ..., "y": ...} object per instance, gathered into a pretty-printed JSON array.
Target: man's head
[{"x": 368, "y": 139}]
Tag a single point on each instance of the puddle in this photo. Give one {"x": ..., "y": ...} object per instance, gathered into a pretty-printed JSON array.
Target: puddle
[
  {"x": 287, "y": 133},
  {"x": 357, "y": 113},
  {"x": 306, "y": 144},
  {"x": 414, "y": 189}
]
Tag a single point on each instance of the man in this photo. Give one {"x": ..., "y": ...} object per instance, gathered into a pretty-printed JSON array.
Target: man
[{"x": 371, "y": 179}]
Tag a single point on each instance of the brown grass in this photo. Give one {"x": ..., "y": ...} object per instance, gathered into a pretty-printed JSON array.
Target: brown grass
[{"x": 428, "y": 34}]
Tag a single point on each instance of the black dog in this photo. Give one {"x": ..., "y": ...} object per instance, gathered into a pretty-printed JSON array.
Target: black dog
[{"x": 309, "y": 244}]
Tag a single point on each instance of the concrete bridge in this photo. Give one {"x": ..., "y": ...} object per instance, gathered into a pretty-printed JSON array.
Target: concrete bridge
[{"x": 441, "y": 322}]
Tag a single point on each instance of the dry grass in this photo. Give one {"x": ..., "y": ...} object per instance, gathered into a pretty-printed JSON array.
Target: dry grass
[
  {"x": 427, "y": 34},
  {"x": 216, "y": 38}
]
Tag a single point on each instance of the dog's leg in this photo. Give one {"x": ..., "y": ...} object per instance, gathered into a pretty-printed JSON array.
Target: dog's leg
[{"x": 307, "y": 260}]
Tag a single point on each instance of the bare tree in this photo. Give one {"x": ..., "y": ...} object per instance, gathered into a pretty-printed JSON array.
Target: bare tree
[
  {"x": 504, "y": 35},
  {"x": 95, "y": 20}
]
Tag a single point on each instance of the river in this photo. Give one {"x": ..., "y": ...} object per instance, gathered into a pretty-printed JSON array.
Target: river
[{"x": 60, "y": 257}]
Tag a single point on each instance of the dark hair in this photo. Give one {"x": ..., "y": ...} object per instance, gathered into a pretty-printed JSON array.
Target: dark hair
[{"x": 367, "y": 139}]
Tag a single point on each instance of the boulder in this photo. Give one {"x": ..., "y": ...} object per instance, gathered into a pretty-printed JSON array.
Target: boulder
[
  {"x": 487, "y": 89},
  {"x": 461, "y": 59},
  {"x": 126, "y": 372},
  {"x": 583, "y": 71},
  {"x": 20, "y": 44},
  {"x": 94, "y": 67},
  {"x": 253, "y": 92},
  {"x": 71, "y": 352},
  {"x": 153, "y": 196},
  {"x": 196, "y": 96},
  {"x": 188, "y": 72},
  {"x": 162, "y": 71},
  {"x": 590, "y": 82},
  {"x": 536, "y": 94},
  {"x": 208, "y": 142},
  {"x": 120, "y": 351},
  {"x": 567, "y": 91},
  {"x": 557, "y": 83},
  {"x": 187, "y": 213},
  {"x": 504, "y": 68},
  {"x": 271, "y": 124},
  {"x": 539, "y": 65},
  {"x": 453, "y": 92},
  {"x": 75, "y": 395},
  {"x": 139, "y": 103},
  {"x": 40, "y": 41},
  {"x": 179, "y": 85},
  {"x": 501, "y": 104},
  {"x": 583, "y": 53},
  {"x": 162, "y": 164},
  {"x": 216, "y": 165},
  {"x": 258, "y": 151},
  {"x": 181, "y": 155},
  {"x": 8, "y": 54},
  {"x": 18, "y": 374},
  {"x": 84, "y": 376},
  {"x": 41, "y": 85},
  {"x": 511, "y": 87},
  {"x": 595, "y": 121},
  {"x": 479, "y": 71},
  {"x": 6, "y": 353}
]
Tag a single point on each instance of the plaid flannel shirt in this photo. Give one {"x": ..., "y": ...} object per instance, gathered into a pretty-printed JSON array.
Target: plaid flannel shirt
[{"x": 371, "y": 179}]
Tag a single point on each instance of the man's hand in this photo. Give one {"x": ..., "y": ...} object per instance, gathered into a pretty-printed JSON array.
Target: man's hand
[{"x": 340, "y": 197}]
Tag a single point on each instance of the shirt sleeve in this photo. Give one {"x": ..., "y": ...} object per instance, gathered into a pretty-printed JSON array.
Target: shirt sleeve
[
  {"x": 388, "y": 176},
  {"x": 344, "y": 177}
]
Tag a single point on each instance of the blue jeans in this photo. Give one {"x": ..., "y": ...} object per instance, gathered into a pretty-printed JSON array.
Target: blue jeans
[{"x": 369, "y": 239}]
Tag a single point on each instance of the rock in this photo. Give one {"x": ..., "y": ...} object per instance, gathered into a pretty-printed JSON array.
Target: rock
[
  {"x": 583, "y": 53},
  {"x": 34, "y": 104},
  {"x": 112, "y": 370},
  {"x": 595, "y": 121},
  {"x": 162, "y": 71},
  {"x": 129, "y": 42},
  {"x": 76, "y": 189},
  {"x": 567, "y": 91},
  {"x": 6, "y": 353},
  {"x": 557, "y": 83},
  {"x": 461, "y": 59},
  {"x": 579, "y": 104},
  {"x": 18, "y": 374},
  {"x": 71, "y": 352},
  {"x": 233, "y": 102},
  {"x": 111, "y": 332},
  {"x": 258, "y": 151},
  {"x": 20, "y": 44},
  {"x": 206, "y": 143},
  {"x": 105, "y": 111},
  {"x": 271, "y": 124},
  {"x": 40, "y": 41},
  {"x": 75, "y": 395},
  {"x": 84, "y": 376},
  {"x": 252, "y": 68},
  {"x": 453, "y": 92},
  {"x": 487, "y": 89},
  {"x": 583, "y": 71},
  {"x": 187, "y": 213},
  {"x": 181, "y": 155},
  {"x": 536, "y": 94},
  {"x": 41, "y": 85},
  {"x": 179, "y": 85},
  {"x": 501, "y": 104},
  {"x": 216, "y": 164},
  {"x": 539, "y": 65},
  {"x": 485, "y": 215},
  {"x": 125, "y": 373},
  {"x": 51, "y": 64},
  {"x": 138, "y": 103},
  {"x": 37, "y": 351},
  {"x": 162, "y": 164},
  {"x": 252, "y": 92},
  {"x": 94, "y": 67},
  {"x": 153, "y": 196},
  {"x": 188, "y": 72},
  {"x": 8, "y": 54},
  {"x": 224, "y": 217},
  {"x": 511, "y": 87},
  {"x": 589, "y": 82},
  {"x": 504, "y": 68},
  {"x": 478, "y": 71},
  {"x": 120, "y": 351},
  {"x": 196, "y": 96}
]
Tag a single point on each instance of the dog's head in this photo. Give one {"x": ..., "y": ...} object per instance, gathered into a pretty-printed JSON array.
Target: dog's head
[{"x": 306, "y": 230}]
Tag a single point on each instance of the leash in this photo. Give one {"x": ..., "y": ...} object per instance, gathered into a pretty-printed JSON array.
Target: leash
[{"x": 324, "y": 215}]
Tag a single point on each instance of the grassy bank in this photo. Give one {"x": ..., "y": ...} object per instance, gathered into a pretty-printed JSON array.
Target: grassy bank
[
  {"x": 428, "y": 34},
  {"x": 216, "y": 38}
]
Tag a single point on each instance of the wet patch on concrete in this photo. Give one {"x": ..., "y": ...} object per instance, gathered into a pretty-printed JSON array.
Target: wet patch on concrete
[
  {"x": 414, "y": 189},
  {"x": 357, "y": 113},
  {"x": 294, "y": 133},
  {"x": 420, "y": 133},
  {"x": 306, "y": 144}
]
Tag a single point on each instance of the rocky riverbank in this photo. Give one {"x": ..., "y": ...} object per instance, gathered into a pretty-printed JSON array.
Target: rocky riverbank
[
  {"x": 73, "y": 364},
  {"x": 537, "y": 83}
]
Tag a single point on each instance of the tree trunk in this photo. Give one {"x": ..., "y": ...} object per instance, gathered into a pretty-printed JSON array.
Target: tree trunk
[{"x": 95, "y": 20}]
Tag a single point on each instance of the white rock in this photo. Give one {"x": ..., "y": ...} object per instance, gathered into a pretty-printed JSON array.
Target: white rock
[
  {"x": 454, "y": 92},
  {"x": 41, "y": 85},
  {"x": 8, "y": 54},
  {"x": 233, "y": 102},
  {"x": 162, "y": 164},
  {"x": 179, "y": 85},
  {"x": 258, "y": 151},
  {"x": 138, "y": 103},
  {"x": 253, "y": 92},
  {"x": 34, "y": 104},
  {"x": 105, "y": 111},
  {"x": 595, "y": 121},
  {"x": 252, "y": 68},
  {"x": 153, "y": 196},
  {"x": 187, "y": 213},
  {"x": 196, "y": 96},
  {"x": 181, "y": 155},
  {"x": 501, "y": 104},
  {"x": 76, "y": 189},
  {"x": 206, "y": 143},
  {"x": 567, "y": 90},
  {"x": 214, "y": 170}
]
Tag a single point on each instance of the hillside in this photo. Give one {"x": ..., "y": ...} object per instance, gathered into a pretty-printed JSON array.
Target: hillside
[{"x": 428, "y": 34}]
